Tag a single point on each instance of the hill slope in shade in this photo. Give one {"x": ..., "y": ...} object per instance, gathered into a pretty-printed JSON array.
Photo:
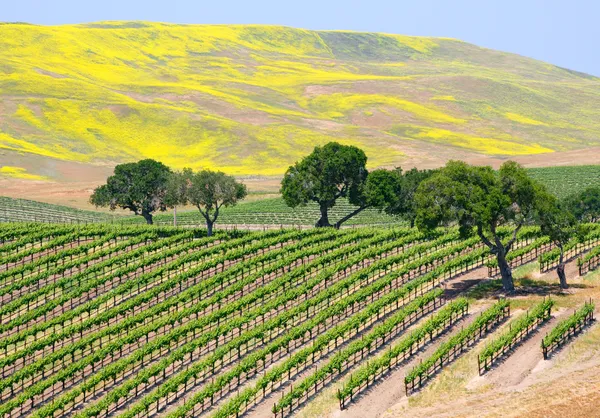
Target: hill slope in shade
[{"x": 253, "y": 99}]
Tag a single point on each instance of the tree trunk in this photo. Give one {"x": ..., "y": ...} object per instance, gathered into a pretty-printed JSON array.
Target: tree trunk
[
  {"x": 562, "y": 277},
  {"x": 209, "y": 228},
  {"x": 505, "y": 272},
  {"x": 350, "y": 215},
  {"x": 324, "y": 221},
  {"x": 148, "y": 217}
]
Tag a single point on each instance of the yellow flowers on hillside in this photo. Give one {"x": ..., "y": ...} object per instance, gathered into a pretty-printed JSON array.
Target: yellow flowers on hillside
[
  {"x": 252, "y": 99},
  {"x": 345, "y": 103},
  {"x": 19, "y": 173},
  {"x": 524, "y": 119},
  {"x": 491, "y": 146}
]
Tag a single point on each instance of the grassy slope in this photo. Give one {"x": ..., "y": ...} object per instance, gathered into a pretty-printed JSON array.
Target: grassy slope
[{"x": 253, "y": 99}]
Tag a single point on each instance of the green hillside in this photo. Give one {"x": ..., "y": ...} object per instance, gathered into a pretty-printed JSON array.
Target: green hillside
[{"x": 253, "y": 99}]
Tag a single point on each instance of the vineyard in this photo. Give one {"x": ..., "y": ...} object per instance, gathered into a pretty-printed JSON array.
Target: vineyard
[
  {"x": 275, "y": 212},
  {"x": 566, "y": 180},
  {"x": 103, "y": 320},
  {"x": 21, "y": 210}
]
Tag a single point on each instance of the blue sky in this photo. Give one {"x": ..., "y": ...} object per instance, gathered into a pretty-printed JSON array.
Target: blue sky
[{"x": 563, "y": 32}]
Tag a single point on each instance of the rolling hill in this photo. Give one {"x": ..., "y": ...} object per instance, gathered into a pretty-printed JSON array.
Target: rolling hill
[{"x": 250, "y": 100}]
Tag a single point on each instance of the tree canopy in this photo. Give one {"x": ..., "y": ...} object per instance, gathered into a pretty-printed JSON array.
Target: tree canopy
[
  {"x": 139, "y": 187},
  {"x": 404, "y": 205},
  {"x": 480, "y": 200},
  {"x": 328, "y": 173},
  {"x": 208, "y": 190},
  {"x": 585, "y": 206},
  {"x": 559, "y": 225},
  {"x": 381, "y": 189}
]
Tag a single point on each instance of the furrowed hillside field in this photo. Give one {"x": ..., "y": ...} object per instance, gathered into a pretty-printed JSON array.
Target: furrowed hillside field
[{"x": 250, "y": 100}]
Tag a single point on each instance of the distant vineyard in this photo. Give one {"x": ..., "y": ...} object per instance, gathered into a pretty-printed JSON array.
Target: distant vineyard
[
  {"x": 21, "y": 210},
  {"x": 566, "y": 180}
]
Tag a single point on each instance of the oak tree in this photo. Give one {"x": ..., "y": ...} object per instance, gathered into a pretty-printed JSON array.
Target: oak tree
[
  {"x": 330, "y": 172},
  {"x": 139, "y": 187},
  {"x": 208, "y": 190},
  {"x": 480, "y": 200}
]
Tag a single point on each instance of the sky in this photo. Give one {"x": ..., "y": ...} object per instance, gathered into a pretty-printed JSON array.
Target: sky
[{"x": 564, "y": 33}]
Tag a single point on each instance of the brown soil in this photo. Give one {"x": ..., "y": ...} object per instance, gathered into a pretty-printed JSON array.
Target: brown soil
[{"x": 523, "y": 384}]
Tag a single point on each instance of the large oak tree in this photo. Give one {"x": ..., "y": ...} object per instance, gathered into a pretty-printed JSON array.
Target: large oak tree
[
  {"x": 480, "y": 200},
  {"x": 327, "y": 174},
  {"x": 139, "y": 187}
]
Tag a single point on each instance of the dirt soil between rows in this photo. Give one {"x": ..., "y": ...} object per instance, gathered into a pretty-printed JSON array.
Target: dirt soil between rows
[{"x": 522, "y": 384}]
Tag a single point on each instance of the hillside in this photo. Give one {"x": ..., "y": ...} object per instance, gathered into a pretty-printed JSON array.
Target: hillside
[
  {"x": 157, "y": 321},
  {"x": 253, "y": 99}
]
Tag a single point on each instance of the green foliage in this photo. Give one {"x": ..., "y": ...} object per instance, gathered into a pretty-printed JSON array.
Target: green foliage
[
  {"x": 328, "y": 173},
  {"x": 589, "y": 256},
  {"x": 140, "y": 187},
  {"x": 338, "y": 360},
  {"x": 481, "y": 199},
  {"x": 405, "y": 204},
  {"x": 570, "y": 323},
  {"x": 564, "y": 181},
  {"x": 489, "y": 316},
  {"x": 208, "y": 190},
  {"x": 434, "y": 324},
  {"x": 274, "y": 211},
  {"x": 538, "y": 312},
  {"x": 585, "y": 205},
  {"x": 582, "y": 233},
  {"x": 382, "y": 189},
  {"x": 22, "y": 210}
]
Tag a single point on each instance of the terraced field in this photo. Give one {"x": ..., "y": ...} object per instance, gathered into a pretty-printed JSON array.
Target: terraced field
[{"x": 106, "y": 320}]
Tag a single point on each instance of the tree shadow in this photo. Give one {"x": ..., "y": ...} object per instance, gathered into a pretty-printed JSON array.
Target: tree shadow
[{"x": 492, "y": 289}]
